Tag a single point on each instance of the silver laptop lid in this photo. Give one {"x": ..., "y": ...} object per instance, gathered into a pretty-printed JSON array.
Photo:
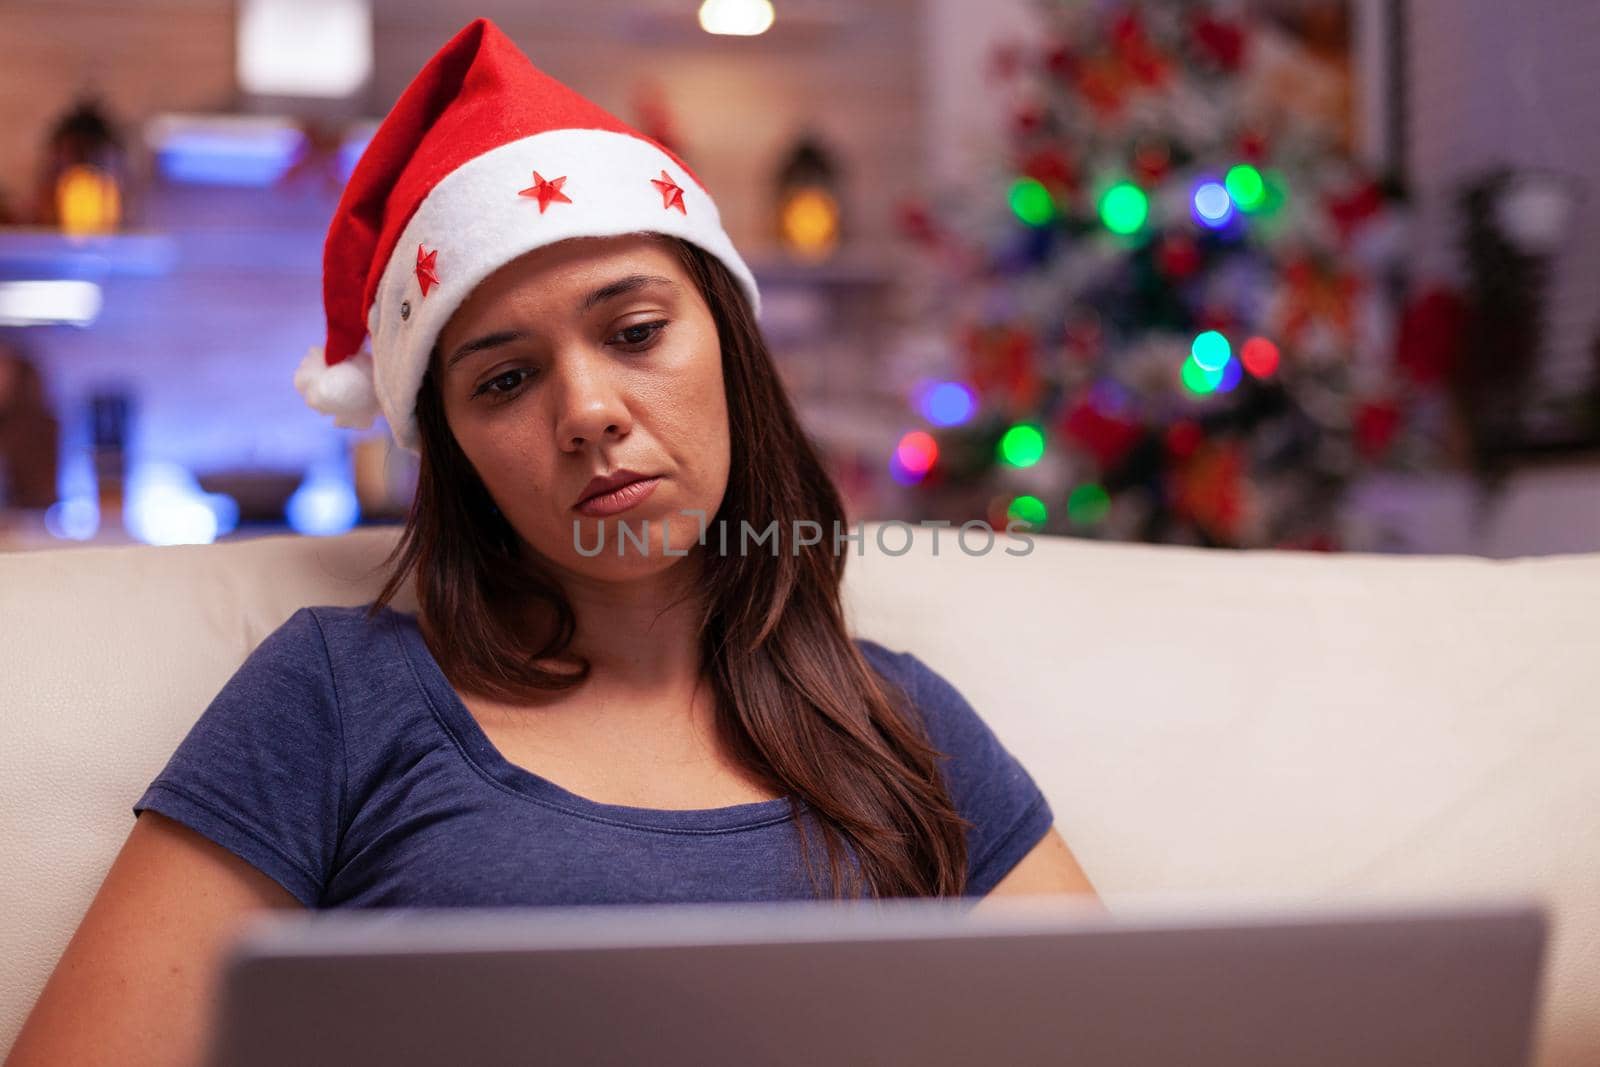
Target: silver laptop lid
[{"x": 1025, "y": 981}]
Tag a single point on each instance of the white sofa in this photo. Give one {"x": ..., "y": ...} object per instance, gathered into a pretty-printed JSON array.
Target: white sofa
[{"x": 1304, "y": 726}]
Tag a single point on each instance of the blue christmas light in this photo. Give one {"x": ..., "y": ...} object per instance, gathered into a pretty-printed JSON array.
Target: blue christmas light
[
  {"x": 324, "y": 504},
  {"x": 948, "y": 403},
  {"x": 74, "y": 518},
  {"x": 1231, "y": 373},
  {"x": 1213, "y": 206}
]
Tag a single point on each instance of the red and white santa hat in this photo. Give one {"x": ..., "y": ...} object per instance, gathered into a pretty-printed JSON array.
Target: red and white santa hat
[{"x": 482, "y": 159}]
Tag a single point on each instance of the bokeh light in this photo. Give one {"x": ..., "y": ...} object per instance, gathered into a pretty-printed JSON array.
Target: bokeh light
[
  {"x": 166, "y": 506},
  {"x": 1124, "y": 208},
  {"x": 324, "y": 505},
  {"x": 1029, "y": 509},
  {"x": 1246, "y": 187},
  {"x": 917, "y": 452},
  {"x": 948, "y": 403},
  {"x": 1260, "y": 357},
  {"x": 1022, "y": 445},
  {"x": 1031, "y": 202},
  {"x": 73, "y": 518},
  {"x": 1211, "y": 350},
  {"x": 1212, "y": 204}
]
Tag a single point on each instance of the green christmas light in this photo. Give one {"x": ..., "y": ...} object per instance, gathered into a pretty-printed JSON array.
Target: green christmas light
[
  {"x": 1031, "y": 202},
  {"x": 1087, "y": 504},
  {"x": 1028, "y": 509},
  {"x": 1198, "y": 379},
  {"x": 1022, "y": 445},
  {"x": 1211, "y": 351},
  {"x": 1246, "y": 187},
  {"x": 1124, "y": 208}
]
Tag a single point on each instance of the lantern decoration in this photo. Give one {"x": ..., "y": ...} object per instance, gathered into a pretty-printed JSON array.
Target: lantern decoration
[
  {"x": 808, "y": 202},
  {"x": 85, "y": 173}
]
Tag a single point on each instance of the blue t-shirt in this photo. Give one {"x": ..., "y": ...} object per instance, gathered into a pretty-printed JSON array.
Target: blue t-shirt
[{"x": 340, "y": 761}]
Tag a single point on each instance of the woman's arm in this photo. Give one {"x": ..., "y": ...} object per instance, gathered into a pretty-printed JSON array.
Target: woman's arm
[
  {"x": 1049, "y": 868},
  {"x": 136, "y": 983}
]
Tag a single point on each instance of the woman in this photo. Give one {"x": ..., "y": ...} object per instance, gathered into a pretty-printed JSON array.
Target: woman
[{"x": 554, "y": 725}]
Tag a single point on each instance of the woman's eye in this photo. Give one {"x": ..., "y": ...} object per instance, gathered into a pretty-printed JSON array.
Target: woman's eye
[
  {"x": 510, "y": 379},
  {"x": 644, "y": 333}
]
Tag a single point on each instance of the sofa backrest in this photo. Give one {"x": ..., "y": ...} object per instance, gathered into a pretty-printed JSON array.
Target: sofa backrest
[{"x": 1279, "y": 724}]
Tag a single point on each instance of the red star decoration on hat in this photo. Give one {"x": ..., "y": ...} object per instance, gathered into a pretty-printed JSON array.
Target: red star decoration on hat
[
  {"x": 671, "y": 194},
  {"x": 548, "y": 192},
  {"x": 425, "y": 275}
]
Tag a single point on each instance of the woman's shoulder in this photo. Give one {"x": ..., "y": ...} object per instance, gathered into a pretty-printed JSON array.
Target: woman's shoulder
[
  {"x": 896, "y": 665},
  {"x": 335, "y": 634},
  {"x": 345, "y": 621}
]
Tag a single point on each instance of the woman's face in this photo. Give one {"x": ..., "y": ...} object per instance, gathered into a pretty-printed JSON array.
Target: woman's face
[{"x": 574, "y": 361}]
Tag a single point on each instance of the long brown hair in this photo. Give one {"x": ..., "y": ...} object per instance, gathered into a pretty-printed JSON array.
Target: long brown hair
[{"x": 798, "y": 705}]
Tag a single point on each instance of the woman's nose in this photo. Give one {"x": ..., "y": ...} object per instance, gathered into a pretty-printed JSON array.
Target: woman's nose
[{"x": 590, "y": 402}]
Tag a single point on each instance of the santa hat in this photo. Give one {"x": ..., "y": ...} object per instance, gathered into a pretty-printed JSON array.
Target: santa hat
[{"x": 482, "y": 159}]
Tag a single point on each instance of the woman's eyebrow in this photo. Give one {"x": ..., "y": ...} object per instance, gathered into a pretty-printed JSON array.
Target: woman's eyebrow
[
  {"x": 610, "y": 291},
  {"x": 623, "y": 286},
  {"x": 491, "y": 340}
]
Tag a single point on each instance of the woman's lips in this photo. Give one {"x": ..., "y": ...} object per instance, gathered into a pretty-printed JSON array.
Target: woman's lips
[{"x": 620, "y": 499}]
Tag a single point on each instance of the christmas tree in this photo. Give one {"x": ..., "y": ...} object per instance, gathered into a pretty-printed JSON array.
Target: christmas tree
[{"x": 1175, "y": 317}]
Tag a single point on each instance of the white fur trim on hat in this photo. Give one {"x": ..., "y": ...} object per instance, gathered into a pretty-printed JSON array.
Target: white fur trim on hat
[
  {"x": 344, "y": 390},
  {"x": 476, "y": 222}
]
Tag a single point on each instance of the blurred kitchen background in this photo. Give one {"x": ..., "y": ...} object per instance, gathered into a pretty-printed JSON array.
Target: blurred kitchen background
[{"x": 1295, "y": 274}]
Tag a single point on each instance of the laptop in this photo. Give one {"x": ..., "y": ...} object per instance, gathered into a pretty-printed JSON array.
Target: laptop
[{"x": 928, "y": 982}]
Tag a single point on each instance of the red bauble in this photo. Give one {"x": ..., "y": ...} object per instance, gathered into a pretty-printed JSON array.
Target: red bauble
[
  {"x": 1376, "y": 423},
  {"x": 1127, "y": 31},
  {"x": 1001, "y": 363},
  {"x": 1183, "y": 437},
  {"x": 1100, "y": 84},
  {"x": 1210, "y": 489},
  {"x": 1223, "y": 42},
  {"x": 1149, "y": 68},
  {"x": 1432, "y": 329},
  {"x": 1178, "y": 256},
  {"x": 1349, "y": 210},
  {"x": 1104, "y": 436}
]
